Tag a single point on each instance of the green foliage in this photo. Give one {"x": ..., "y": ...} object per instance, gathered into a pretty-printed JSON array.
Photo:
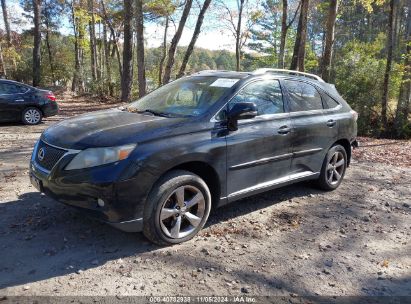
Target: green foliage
[{"x": 359, "y": 75}]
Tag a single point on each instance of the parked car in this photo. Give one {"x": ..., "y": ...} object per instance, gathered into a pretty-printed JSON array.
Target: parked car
[
  {"x": 21, "y": 102},
  {"x": 160, "y": 164}
]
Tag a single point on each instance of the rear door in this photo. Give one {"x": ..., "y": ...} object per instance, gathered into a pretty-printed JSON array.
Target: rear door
[
  {"x": 259, "y": 153},
  {"x": 313, "y": 130},
  {"x": 13, "y": 100}
]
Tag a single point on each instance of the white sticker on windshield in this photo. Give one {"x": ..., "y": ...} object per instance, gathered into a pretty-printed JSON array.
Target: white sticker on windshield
[{"x": 224, "y": 82}]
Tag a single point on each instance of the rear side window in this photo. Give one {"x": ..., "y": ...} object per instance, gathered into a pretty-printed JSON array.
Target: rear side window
[
  {"x": 10, "y": 88},
  {"x": 303, "y": 96},
  {"x": 266, "y": 94},
  {"x": 329, "y": 102}
]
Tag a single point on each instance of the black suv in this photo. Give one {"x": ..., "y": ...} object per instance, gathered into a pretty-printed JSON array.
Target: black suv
[
  {"x": 202, "y": 141},
  {"x": 21, "y": 102}
]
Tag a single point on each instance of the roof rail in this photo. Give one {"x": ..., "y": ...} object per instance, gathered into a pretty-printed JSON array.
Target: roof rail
[
  {"x": 289, "y": 72},
  {"x": 211, "y": 71}
]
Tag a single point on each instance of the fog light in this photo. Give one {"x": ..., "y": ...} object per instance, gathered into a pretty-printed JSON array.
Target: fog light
[{"x": 100, "y": 202}]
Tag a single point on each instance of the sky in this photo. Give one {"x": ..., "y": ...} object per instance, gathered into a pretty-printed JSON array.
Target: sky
[{"x": 214, "y": 35}]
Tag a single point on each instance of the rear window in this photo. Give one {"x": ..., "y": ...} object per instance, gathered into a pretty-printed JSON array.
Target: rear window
[{"x": 303, "y": 96}]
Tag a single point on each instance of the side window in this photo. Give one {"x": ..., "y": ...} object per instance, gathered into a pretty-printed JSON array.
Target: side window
[
  {"x": 329, "y": 102},
  {"x": 9, "y": 88},
  {"x": 303, "y": 96},
  {"x": 266, "y": 94}
]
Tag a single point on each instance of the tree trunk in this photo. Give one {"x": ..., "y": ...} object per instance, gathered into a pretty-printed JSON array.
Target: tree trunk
[
  {"x": 116, "y": 50},
  {"x": 49, "y": 50},
  {"x": 283, "y": 38},
  {"x": 387, "y": 75},
  {"x": 6, "y": 22},
  {"x": 93, "y": 46},
  {"x": 107, "y": 61},
  {"x": 404, "y": 100},
  {"x": 164, "y": 56},
  {"x": 194, "y": 38},
  {"x": 238, "y": 35},
  {"x": 284, "y": 31},
  {"x": 329, "y": 40},
  {"x": 297, "y": 62},
  {"x": 3, "y": 66},
  {"x": 175, "y": 40},
  {"x": 76, "y": 75},
  {"x": 141, "y": 69},
  {"x": 37, "y": 43},
  {"x": 127, "y": 77}
]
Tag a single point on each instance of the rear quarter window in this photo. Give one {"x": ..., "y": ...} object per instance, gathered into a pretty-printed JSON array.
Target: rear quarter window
[
  {"x": 303, "y": 96},
  {"x": 329, "y": 102}
]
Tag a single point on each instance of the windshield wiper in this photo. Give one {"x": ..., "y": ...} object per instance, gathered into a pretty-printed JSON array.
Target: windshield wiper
[
  {"x": 156, "y": 113},
  {"x": 153, "y": 112}
]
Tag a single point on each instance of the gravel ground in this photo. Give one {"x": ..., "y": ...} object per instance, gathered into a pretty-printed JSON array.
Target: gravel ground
[{"x": 291, "y": 241}]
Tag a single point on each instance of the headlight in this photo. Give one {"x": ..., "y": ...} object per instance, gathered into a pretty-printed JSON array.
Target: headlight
[{"x": 100, "y": 156}]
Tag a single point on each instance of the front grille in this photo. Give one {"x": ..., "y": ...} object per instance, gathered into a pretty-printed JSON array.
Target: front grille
[{"x": 48, "y": 156}]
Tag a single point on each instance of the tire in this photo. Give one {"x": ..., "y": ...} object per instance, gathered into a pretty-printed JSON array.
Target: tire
[
  {"x": 333, "y": 168},
  {"x": 32, "y": 116},
  {"x": 178, "y": 198}
]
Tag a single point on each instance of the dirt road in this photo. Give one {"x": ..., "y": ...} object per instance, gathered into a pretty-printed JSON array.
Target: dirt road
[{"x": 296, "y": 240}]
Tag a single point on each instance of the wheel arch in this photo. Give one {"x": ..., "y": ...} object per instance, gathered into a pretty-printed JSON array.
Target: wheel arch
[
  {"x": 347, "y": 146},
  {"x": 206, "y": 172},
  {"x": 32, "y": 107}
]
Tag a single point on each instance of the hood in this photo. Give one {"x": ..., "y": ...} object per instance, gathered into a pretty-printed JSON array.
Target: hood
[{"x": 109, "y": 128}]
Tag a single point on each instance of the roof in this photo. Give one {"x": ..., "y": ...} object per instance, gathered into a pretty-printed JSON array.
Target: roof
[
  {"x": 14, "y": 82},
  {"x": 281, "y": 73}
]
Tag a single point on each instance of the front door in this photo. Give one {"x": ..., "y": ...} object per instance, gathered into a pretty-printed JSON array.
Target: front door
[{"x": 259, "y": 152}]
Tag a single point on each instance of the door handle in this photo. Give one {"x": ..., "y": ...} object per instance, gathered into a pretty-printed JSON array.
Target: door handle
[
  {"x": 284, "y": 130},
  {"x": 19, "y": 100},
  {"x": 331, "y": 123}
]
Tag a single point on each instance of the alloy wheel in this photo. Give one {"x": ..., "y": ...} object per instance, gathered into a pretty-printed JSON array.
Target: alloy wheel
[
  {"x": 335, "y": 168},
  {"x": 32, "y": 116},
  {"x": 182, "y": 212}
]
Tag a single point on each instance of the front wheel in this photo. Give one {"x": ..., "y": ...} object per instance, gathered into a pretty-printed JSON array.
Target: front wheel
[
  {"x": 333, "y": 169},
  {"x": 177, "y": 208},
  {"x": 32, "y": 116}
]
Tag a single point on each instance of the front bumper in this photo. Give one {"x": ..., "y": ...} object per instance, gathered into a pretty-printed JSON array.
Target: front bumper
[{"x": 122, "y": 207}]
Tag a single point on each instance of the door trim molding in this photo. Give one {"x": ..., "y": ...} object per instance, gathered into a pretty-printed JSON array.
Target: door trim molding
[
  {"x": 261, "y": 161},
  {"x": 306, "y": 152},
  {"x": 267, "y": 160}
]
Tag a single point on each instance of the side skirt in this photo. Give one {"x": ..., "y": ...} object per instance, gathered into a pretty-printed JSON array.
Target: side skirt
[{"x": 270, "y": 185}]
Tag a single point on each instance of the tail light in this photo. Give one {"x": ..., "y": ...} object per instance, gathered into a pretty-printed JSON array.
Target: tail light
[
  {"x": 50, "y": 96},
  {"x": 354, "y": 115}
]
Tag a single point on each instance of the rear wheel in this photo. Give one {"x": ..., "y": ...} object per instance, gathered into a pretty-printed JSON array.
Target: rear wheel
[
  {"x": 177, "y": 208},
  {"x": 32, "y": 116},
  {"x": 333, "y": 169}
]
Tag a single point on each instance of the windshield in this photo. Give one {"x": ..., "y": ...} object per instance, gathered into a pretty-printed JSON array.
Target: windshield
[{"x": 191, "y": 96}]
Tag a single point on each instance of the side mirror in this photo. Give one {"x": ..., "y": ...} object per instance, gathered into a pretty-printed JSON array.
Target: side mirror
[{"x": 241, "y": 110}]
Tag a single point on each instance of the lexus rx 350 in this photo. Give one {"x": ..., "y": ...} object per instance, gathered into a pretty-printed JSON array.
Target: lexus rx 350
[{"x": 161, "y": 163}]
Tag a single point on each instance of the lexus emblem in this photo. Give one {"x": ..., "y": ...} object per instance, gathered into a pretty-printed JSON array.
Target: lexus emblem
[{"x": 41, "y": 154}]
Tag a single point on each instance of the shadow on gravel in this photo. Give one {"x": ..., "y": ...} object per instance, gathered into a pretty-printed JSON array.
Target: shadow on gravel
[
  {"x": 263, "y": 200},
  {"x": 41, "y": 239},
  {"x": 44, "y": 239}
]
